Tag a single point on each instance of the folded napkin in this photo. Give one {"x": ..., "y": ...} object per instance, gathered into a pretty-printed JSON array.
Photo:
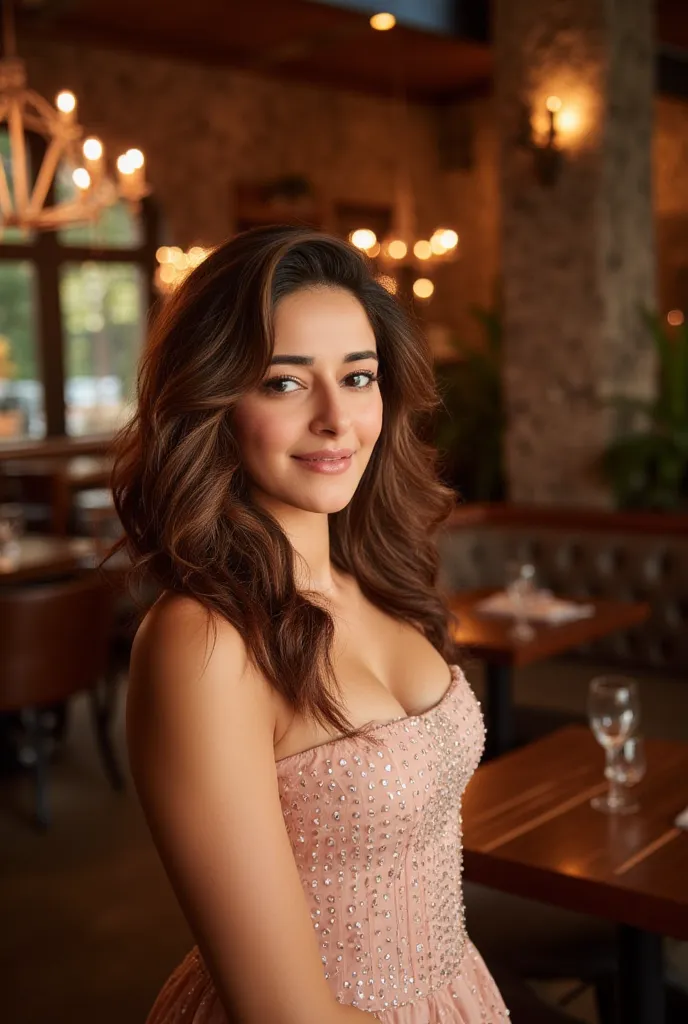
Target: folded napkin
[
  {"x": 540, "y": 606},
  {"x": 681, "y": 820}
]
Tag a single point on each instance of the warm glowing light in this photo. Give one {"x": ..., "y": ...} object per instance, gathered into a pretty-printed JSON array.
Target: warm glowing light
[
  {"x": 65, "y": 102},
  {"x": 568, "y": 120},
  {"x": 437, "y": 246},
  {"x": 197, "y": 254},
  {"x": 383, "y": 21},
  {"x": 363, "y": 238},
  {"x": 124, "y": 165},
  {"x": 397, "y": 249},
  {"x": 422, "y": 250},
  {"x": 374, "y": 250},
  {"x": 388, "y": 283},
  {"x": 162, "y": 254},
  {"x": 135, "y": 158},
  {"x": 81, "y": 178},
  {"x": 675, "y": 317},
  {"x": 553, "y": 104},
  {"x": 178, "y": 258},
  {"x": 448, "y": 238},
  {"x": 423, "y": 288},
  {"x": 167, "y": 273},
  {"x": 93, "y": 149}
]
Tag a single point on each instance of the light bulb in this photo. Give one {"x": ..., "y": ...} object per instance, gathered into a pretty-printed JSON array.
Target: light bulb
[
  {"x": 383, "y": 21},
  {"x": 423, "y": 288},
  {"x": 93, "y": 149},
  {"x": 124, "y": 165},
  {"x": 422, "y": 250},
  {"x": 553, "y": 104},
  {"x": 136, "y": 158},
  {"x": 397, "y": 249},
  {"x": 65, "y": 102},
  {"x": 363, "y": 238},
  {"x": 448, "y": 238},
  {"x": 81, "y": 178}
]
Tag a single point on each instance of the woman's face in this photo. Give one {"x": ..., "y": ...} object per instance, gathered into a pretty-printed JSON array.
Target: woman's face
[{"x": 319, "y": 396}]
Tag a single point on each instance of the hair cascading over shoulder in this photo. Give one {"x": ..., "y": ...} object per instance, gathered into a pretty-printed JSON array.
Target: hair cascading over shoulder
[{"x": 183, "y": 498}]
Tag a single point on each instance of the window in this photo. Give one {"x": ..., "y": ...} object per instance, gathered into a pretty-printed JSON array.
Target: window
[{"x": 73, "y": 310}]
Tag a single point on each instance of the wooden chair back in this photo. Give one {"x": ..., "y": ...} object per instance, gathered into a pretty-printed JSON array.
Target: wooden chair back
[{"x": 54, "y": 640}]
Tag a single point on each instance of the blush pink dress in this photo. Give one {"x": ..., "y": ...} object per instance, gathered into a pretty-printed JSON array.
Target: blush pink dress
[{"x": 376, "y": 833}]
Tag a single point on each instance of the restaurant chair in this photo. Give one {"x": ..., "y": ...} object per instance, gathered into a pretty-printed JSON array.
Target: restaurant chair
[
  {"x": 523, "y": 1004},
  {"x": 55, "y": 643},
  {"x": 94, "y": 515},
  {"x": 539, "y": 942}
]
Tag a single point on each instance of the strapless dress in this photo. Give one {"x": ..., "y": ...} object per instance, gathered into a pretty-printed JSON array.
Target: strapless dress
[{"x": 376, "y": 832}]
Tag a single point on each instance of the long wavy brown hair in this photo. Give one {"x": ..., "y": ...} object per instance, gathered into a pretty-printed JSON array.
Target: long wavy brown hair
[{"x": 184, "y": 500}]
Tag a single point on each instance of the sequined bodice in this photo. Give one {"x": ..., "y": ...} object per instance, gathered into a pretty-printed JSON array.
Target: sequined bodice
[{"x": 376, "y": 832}]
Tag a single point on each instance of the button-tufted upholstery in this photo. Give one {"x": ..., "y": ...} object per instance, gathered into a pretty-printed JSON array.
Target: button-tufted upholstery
[{"x": 629, "y": 556}]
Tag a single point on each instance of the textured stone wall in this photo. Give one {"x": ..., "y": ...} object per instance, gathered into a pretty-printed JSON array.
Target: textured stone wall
[
  {"x": 204, "y": 128},
  {"x": 577, "y": 257},
  {"x": 671, "y": 202}
]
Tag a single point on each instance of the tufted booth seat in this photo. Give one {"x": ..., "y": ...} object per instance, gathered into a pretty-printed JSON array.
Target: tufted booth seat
[{"x": 584, "y": 553}]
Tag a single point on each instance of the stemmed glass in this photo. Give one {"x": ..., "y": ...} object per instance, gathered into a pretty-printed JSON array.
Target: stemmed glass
[
  {"x": 630, "y": 766},
  {"x": 520, "y": 584},
  {"x": 11, "y": 529},
  {"x": 614, "y": 713}
]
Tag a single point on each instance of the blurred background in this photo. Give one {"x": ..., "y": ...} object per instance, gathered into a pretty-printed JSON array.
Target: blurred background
[{"x": 518, "y": 172}]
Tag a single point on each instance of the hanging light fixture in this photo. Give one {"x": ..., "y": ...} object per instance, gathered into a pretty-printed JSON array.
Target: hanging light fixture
[
  {"x": 404, "y": 247},
  {"x": 23, "y": 199},
  {"x": 174, "y": 264}
]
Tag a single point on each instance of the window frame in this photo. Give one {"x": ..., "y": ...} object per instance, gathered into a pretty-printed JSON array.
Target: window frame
[{"x": 48, "y": 255}]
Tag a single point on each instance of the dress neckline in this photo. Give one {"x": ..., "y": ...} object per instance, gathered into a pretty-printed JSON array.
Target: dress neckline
[{"x": 455, "y": 673}]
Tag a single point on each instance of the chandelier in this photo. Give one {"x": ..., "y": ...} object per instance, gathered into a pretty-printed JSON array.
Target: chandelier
[
  {"x": 404, "y": 248},
  {"x": 174, "y": 264},
  {"x": 24, "y": 199}
]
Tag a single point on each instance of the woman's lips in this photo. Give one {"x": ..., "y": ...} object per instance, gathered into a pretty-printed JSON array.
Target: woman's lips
[{"x": 323, "y": 465}]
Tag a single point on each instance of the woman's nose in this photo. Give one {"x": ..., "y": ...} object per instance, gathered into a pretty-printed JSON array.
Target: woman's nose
[{"x": 331, "y": 411}]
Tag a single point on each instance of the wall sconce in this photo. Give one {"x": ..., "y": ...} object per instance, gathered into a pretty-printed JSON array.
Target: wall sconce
[{"x": 547, "y": 157}]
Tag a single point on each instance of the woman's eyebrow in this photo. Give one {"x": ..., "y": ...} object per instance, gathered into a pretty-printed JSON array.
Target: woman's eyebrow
[{"x": 352, "y": 357}]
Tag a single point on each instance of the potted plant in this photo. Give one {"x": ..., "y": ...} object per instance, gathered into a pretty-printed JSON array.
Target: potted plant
[
  {"x": 647, "y": 465},
  {"x": 469, "y": 427}
]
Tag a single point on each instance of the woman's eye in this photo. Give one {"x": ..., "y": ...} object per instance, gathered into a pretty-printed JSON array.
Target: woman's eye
[
  {"x": 366, "y": 376},
  {"x": 274, "y": 384},
  {"x": 277, "y": 385}
]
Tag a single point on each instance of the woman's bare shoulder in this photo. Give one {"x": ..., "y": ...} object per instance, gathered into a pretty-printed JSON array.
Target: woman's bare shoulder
[
  {"x": 179, "y": 626},
  {"x": 183, "y": 649}
]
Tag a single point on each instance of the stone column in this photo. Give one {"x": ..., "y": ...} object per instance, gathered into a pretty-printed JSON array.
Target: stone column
[{"x": 578, "y": 252}]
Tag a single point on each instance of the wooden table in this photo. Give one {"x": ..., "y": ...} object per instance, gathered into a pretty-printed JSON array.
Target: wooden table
[
  {"x": 489, "y": 638},
  {"x": 41, "y": 556},
  {"x": 529, "y": 830},
  {"x": 64, "y": 476}
]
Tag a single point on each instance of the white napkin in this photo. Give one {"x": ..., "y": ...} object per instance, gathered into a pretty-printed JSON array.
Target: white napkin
[
  {"x": 681, "y": 820},
  {"x": 540, "y": 606}
]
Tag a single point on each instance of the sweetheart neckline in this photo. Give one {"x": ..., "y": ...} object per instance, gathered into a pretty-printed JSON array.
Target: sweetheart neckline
[{"x": 456, "y": 676}]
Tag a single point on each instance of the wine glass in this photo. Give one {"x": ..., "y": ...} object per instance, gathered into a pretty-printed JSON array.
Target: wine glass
[
  {"x": 11, "y": 529},
  {"x": 614, "y": 713},
  {"x": 520, "y": 584},
  {"x": 629, "y": 766}
]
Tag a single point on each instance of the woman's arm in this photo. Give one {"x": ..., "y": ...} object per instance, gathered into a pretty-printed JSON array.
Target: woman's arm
[{"x": 200, "y": 730}]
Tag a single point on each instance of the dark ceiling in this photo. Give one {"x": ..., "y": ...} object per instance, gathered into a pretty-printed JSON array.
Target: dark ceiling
[{"x": 310, "y": 40}]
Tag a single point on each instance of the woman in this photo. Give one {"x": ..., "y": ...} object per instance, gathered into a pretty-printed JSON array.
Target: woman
[{"x": 298, "y": 741}]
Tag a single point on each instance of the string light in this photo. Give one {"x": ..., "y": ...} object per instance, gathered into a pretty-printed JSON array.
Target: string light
[{"x": 383, "y": 21}]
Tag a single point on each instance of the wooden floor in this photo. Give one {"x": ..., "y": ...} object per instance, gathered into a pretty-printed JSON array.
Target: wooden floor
[{"x": 91, "y": 929}]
